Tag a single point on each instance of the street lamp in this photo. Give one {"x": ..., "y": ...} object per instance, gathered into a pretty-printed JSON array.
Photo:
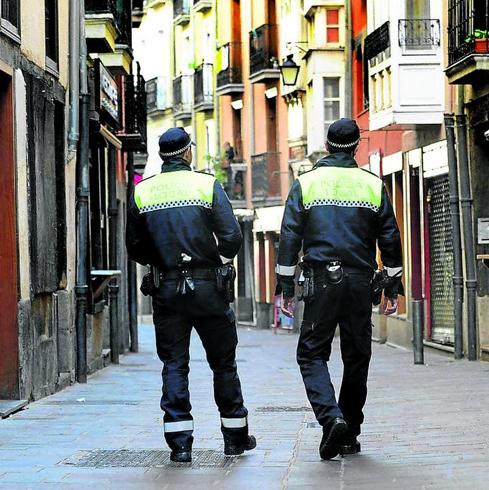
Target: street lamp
[{"x": 289, "y": 71}]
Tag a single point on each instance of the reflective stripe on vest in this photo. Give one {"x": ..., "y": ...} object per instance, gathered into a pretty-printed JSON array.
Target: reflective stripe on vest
[
  {"x": 182, "y": 426},
  {"x": 337, "y": 186},
  {"x": 173, "y": 190}
]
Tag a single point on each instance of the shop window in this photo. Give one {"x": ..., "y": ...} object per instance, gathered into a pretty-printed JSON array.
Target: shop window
[
  {"x": 51, "y": 24},
  {"x": 332, "y": 26},
  {"x": 10, "y": 16},
  {"x": 331, "y": 101}
]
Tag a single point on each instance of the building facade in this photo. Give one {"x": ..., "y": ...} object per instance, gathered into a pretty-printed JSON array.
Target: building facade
[
  {"x": 37, "y": 259},
  {"x": 467, "y": 55},
  {"x": 48, "y": 341}
]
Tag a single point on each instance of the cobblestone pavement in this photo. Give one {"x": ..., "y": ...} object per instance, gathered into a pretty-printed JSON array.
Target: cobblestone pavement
[{"x": 426, "y": 427}]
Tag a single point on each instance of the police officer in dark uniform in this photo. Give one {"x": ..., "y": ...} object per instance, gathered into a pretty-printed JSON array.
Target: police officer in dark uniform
[
  {"x": 182, "y": 224},
  {"x": 337, "y": 213}
]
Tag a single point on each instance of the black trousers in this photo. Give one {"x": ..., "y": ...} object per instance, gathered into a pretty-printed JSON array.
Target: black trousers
[
  {"x": 348, "y": 304},
  {"x": 174, "y": 316}
]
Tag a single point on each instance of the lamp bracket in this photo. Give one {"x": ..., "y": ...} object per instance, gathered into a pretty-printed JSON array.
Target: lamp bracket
[{"x": 296, "y": 44}]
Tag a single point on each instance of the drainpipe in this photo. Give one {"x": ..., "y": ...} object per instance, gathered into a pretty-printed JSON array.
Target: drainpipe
[
  {"x": 251, "y": 265},
  {"x": 74, "y": 73},
  {"x": 348, "y": 63},
  {"x": 458, "y": 280},
  {"x": 131, "y": 268},
  {"x": 466, "y": 205},
  {"x": 217, "y": 101},
  {"x": 113, "y": 212},
  {"x": 82, "y": 195}
]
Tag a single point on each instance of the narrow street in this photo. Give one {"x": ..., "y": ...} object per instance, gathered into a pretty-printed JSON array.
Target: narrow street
[{"x": 424, "y": 429}]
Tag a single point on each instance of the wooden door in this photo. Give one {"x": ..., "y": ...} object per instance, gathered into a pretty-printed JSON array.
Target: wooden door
[{"x": 9, "y": 350}]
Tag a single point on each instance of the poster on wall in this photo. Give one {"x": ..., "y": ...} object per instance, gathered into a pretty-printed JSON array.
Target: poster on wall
[{"x": 375, "y": 163}]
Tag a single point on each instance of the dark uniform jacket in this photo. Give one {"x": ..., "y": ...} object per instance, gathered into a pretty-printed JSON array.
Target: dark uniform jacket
[
  {"x": 338, "y": 212},
  {"x": 180, "y": 211}
]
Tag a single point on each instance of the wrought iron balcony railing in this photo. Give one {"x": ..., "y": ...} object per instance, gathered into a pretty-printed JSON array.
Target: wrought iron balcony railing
[
  {"x": 122, "y": 16},
  {"x": 156, "y": 95},
  {"x": 203, "y": 87},
  {"x": 265, "y": 176},
  {"x": 419, "y": 33},
  {"x": 134, "y": 133},
  {"x": 263, "y": 48},
  {"x": 101, "y": 7},
  {"x": 468, "y": 28},
  {"x": 377, "y": 41},
  {"x": 231, "y": 73},
  {"x": 235, "y": 185},
  {"x": 182, "y": 92}
]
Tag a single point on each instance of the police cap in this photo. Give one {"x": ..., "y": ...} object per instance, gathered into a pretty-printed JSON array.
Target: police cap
[
  {"x": 343, "y": 134},
  {"x": 174, "y": 141}
]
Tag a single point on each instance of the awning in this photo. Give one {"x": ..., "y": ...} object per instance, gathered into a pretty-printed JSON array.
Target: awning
[{"x": 268, "y": 219}]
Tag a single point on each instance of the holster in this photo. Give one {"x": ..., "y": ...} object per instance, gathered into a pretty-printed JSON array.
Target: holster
[
  {"x": 185, "y": 280},
  {"x": 333, "y": 273},
  {"x": 150, "y": 282},
  {"x": 307, "y": 282},
  {"x": 225, "y": 277}
]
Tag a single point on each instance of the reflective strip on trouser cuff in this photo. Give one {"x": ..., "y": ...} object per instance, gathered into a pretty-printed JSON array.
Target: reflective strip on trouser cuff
[
  {"x": 179, "y": 426},
  {"x": 393, "y": 271},
  {"x": 285, "y": 270},
  {"x": 240, "y": 423}
]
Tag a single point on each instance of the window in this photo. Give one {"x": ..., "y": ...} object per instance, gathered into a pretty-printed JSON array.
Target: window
[
  {"x": 9, "y": 10},
  {"x": 366, "y": 90},
  {"x": 331, "y": 99},
  {"x": 332, "y": 26},
  {"x": 51, "y": 31}
]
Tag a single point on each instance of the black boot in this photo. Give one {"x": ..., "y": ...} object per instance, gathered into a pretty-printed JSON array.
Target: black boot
[
  {"x": 351, "y": 446},
  {"x": 234, "y": 448},
  {"x": 181, "y": 455},
  {"x": 334, "y": 435}
]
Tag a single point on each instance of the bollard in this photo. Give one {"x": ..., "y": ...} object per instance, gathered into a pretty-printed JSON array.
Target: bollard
[{"x": 418, "y": 330}]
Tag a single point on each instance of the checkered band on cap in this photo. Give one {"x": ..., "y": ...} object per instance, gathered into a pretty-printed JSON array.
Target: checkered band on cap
[
  {"x": 342, "y": 145},
  {"x": 177, "y": 152}
]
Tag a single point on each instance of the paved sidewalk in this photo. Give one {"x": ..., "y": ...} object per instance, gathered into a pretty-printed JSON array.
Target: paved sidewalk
[{"x": 426, "y": 427}]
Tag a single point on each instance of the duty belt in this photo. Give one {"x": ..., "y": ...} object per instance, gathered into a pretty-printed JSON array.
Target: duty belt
[{"x": 195, "y": 273}]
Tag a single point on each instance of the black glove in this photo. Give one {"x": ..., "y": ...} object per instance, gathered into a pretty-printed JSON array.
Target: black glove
[{"x": 287, "y": 284}]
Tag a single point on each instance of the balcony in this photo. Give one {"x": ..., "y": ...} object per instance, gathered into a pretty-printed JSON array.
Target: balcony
[
  {"x": 101, "y": 25},
  {"x": 203, "y": 88},
  {"x": 134, "y": 135},
  {"x": 468, "y": 41},
  {"x": 156, "y": 96},
  {"x": 265, "y": 176},
  {"x": 202, "y": 5},
  {"x": 264, "y": 54},
  {"x": 401, "y": 54},
  {"x": 137, "y": 13},
  {"x": 181, "y": 12},
  {"x": 230, "y": 78},
  {"x": 182, "y": 101},
  {"x": 235, "y": 186}
]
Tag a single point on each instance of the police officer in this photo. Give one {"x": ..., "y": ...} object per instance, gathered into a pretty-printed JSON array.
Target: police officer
[
  {"x": 182, "y": 223},
  {"x": 337, "y": 213}
]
